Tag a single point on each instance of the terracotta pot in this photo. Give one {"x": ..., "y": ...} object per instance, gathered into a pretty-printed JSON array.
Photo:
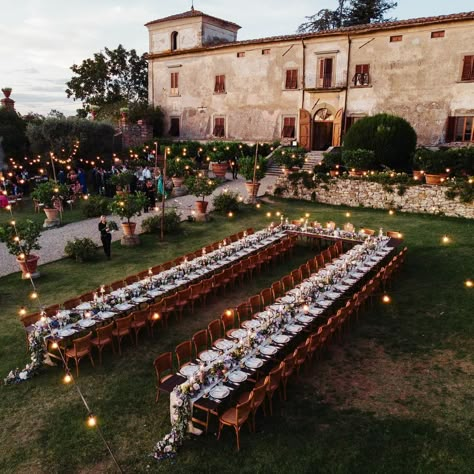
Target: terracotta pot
[
  {"x": 219, "y": 169},
  {"x": 435, "y": 178},
  {"x": 252, "y": 189},
  {"x": 418, "y": 175},
  {"x": 29, "y": 266},
  {"x": 357, "y": 173},
  {"x": 7, "y": 92},
  {"x": 334, "y": 173},
  {"x": 129, "y": 229},
  {"x": 51, "y": 218},
  {"x": 201, "y": 206},
  {"x": 177, "y": 181}
]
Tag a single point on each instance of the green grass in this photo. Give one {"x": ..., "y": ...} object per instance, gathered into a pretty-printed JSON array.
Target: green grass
[
  {"x": 395, "y": 397},
  {"x": 26, "y": 211}
]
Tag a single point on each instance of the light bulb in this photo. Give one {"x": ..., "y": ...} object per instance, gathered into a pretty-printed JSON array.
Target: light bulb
[
  {"x": 446, "y": 239},
  {"x": 91, "y": 421},
  {"x": 469, "y": 283},
  {"x": 386, "y": 299},
  {"x": 156, "y": 316},
  {"x": 34, "y": 295},
  {"x": 67, "y": 378}
]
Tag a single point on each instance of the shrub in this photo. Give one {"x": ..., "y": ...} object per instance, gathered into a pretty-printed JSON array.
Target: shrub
[
  {"x": 391, "y": 138},
  {"x": 227, "y": 201},
  {"x": 122, "y": 179},
  {"x": 95, "y": 206},
  {"x": 128, "y": 205},
  {"x": 82, "y": 250},
  {"x": 359, "y": 159},
  {"x": 246, "y": 167},
  {"x": 179, "y": 167},
  {"x": 172, "y": 223},
  {"x": 333, "y": 158},
  {"x": 289, "y": 157}
]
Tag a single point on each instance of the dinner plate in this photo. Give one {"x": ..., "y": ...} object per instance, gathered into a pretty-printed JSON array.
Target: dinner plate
[
  {"x": 189, "y": 370},
  {"x": 208, "y": 356},
  {"x": 219, "y": 392},
  {"x": 350, "y": 281},
  {"x": 86, "y": 323},
  {"x": 238, "y": 333},
  {"x": 251, "y": 324},
  {"x": 238, "y": 376},
  {"x": 342, "y": 287},
  {"x": 280, "y": 338},
  {"x": 66, "y": 332},
  {"x": 287, "y": 299},
  {"x": 331, "y": 295},
  {"x": 293, "y": 328},
  {"x": 303, "y": 318},
  {"x": 123, "y": 306},
  {"x": 84, "y": 306},
  {"x": 253, "y": 363},
  {"x": 268, "y": 350},
  {"x": 224, "y": 344},
  {"x": 315, "y": 311},
  {"x": 325, "y": 303},
  {"x": 139, "y": 299},
  {"x": 105, "y": 315}
]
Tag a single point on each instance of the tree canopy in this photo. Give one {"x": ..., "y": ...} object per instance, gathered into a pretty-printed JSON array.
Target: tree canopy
[
  {"x": 111, "y": 76},
  {"x": 348, "y": 13}
]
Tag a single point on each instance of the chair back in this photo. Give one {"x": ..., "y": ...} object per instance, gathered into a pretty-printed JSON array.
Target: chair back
[
  {"x": 72, "y": 303},
  {"x": 215, "y": 330},
  {"x": 52, "y": 310},
  {"x": 87, "y": 297},
  {"x": 259, "y": 393},
  {"x": 117, "y": 285},
  {"x": 82, "y": 344},
  {"x": 244, "y": 312},
  {"x": 184, "y": 353},
  {"x": 131, "y": 279},
  {"x": 141, "y": 315},
  {"x": 255, "y": 303},
  {"x": 287, "y": 283},
  {"x": 313, "y": 265},
  {"x": 170, "y": 301},
  {"x": 275, "y": 378},
  {"x": 394, "y": 234},
  {"x": 163, "y": 363},
  {"x": 289, "y": 365},
  {"x": 297, "y": 277},
  {"x": 30, "y": 319},
  {"x": 319, "y": 260},
  {"x": 305, "y": 271},
  {"x": 267, "y": 297},
  {"x": 123, "y": 323},
  {"x": 200, "y": 341},
  {"x": 368, "y": 231},
  {"x": 242, "y": 411},
  {"x": 277, "y": 290},
  {"x": 184, "y": 295},
  {"x": 326, "y": 255},
  {"x": 105, "y": 332}
]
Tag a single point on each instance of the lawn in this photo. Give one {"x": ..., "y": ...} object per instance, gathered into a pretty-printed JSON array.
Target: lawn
[{"x": 395, "y": 397}]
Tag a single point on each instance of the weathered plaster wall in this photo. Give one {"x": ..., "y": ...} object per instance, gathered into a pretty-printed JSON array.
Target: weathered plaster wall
[{"x": 421, "y": 199}]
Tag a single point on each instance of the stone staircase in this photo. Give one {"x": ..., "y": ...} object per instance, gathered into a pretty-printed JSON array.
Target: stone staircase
[{"x": 311, "y": 160}]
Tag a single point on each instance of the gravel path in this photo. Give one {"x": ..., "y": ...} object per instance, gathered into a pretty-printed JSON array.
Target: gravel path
[{"x": 53, "y": 241}]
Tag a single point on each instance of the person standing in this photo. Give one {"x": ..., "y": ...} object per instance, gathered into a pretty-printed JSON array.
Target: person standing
[
  {"x": 234, "y": 164},
  {"x": 105, "y": 235}
]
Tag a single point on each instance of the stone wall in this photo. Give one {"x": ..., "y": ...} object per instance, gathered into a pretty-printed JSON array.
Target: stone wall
[{"x": 353, "y": 192}]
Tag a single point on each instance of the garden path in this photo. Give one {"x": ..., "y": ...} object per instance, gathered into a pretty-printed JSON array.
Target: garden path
[{"x": 53, "y": 241}]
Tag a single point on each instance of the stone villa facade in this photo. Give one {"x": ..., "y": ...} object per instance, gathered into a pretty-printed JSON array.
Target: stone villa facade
[{"x": 312, "y": 87}]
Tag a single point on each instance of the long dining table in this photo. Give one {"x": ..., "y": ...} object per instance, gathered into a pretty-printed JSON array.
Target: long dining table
[{"x": 285, "y": 324}]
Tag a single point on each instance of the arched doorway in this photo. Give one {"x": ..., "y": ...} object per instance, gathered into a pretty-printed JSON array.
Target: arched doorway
[{"x": 322, "y": 128}]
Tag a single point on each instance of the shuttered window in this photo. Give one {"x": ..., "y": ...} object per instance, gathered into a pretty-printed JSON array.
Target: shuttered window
[
  {"x": 219, "y": 127},
  {"x": 468, "y": 69},
  {"x": 289, "y": 127},
  {"x": 219, "y": 87},
  {"x": 174, "y": 83},
  {"x": 291, "y": 79},
  {"x": 325, "y": 72},
  {"x": 361, "y": 76},
  {"x": 396, "y": 38},
  {"x": 460, "y": 129},
  {"x": 437, "y": 34}
]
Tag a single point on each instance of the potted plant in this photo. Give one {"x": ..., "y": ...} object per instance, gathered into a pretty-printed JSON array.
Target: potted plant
[
  {"x": 289, "y": 158},
  {"x": 201, "y": 187},
  {"x": 20, "y": 243},
  {"x": 434, "y": 164},
  {"x": 247, "y": 169},
  {"x": 127, "y": 206},
  {"x": 358, "y": 161},
  {"x": 178, "y": 168},
  {"x": 122, "y": 181},
  {"x": 51, "y": 194},
  {"x": 7, "y": 91},
  {"x": 218, "y": 153}
]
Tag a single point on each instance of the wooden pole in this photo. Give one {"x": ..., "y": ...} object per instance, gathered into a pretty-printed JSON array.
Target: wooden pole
[
  {"x": 156, "y": 157},
  {"x": 52, "y": 165},
  {"x": 254, "y": 194},
  {"x": 163, "y": 198}
]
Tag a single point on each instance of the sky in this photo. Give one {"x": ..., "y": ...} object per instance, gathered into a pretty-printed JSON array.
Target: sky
[{"x": 41, "y": 39}]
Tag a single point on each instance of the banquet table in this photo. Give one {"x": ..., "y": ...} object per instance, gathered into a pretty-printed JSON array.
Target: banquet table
[{"x": 220, "y": 392}]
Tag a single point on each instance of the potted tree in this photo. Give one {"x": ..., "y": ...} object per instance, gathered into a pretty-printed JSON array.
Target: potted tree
[
  {"x": 122, "y": 181},
  {"x": 358, "y": 161},
  {"x": 51, "y": 194},
  {"x": 218, "y": 153},
  {"x": 127, "y": 206},
  {"x": 7, "y": 91},
  {"x": 178, "y": 168},
  {"x": 433, "y": 163},
  {"x": 289, "y": 158},
  {"x": 20, "y": 243},
  {"x": 201, "y": 187},
  {"x": 247, "y": 168},
  {"x": 333, "y": 160}
]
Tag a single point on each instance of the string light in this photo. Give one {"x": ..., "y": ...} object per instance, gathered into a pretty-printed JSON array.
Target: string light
[
  {"x": 469, "y": 283},
  {"x": 446, "y": 239},
  {"x": 91, "y": 421},
  {"x": 231, "y": 214},
  {"x": 386, "y": 299},
  {"x": 348, "y": 214},
  {"x": 391, "y": 212},
  {"x": 156, "y": 316}
]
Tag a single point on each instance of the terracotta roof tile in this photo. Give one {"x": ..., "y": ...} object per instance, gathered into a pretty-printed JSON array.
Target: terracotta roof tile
[{"x": 190, "y": 14}]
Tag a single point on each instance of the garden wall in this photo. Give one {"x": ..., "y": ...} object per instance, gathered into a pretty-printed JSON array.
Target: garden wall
[{"x": 353, "y": 192}]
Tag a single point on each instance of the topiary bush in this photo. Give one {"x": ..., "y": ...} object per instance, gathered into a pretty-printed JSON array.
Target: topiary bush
[
  {"x": 95, "y": 206},
  {"x": 172, "y": 223},
  {"x": 391, "y": 138},
  {"x": 359, "y": 159},
  {"x": 289, "y": 157},
  {"x": 82, "y": 250},
  {"x": 227, "y": 201}
]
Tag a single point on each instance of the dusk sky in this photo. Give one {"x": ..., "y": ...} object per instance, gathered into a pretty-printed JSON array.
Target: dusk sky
[{"x": 41, "y": 39}]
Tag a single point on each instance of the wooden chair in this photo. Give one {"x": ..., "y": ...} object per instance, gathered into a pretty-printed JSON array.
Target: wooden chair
[
  {"x": 228, "y": 320},
  {"x": 131, "y": 279},
  {"x": 313, "y": 265},
  {"x": 368, "y": 231},
  {"x": 116, "y": 285},
  {"x": 184, "y": 298},
  {"x": 250, "y": 231},
  {"x": 196, "y": 294},
  {"x": 258, "y": 395},
  {"x": 297, "y": 277},
  {"x": 277, "y": 290},
  {"x": 155, "y": 315},
  {"x": 267, "y": 297},
  {"x": 394, "y": 234},
  {"x": 89, "y": 296},
  {"x": 72, "y": 303},
  {"x": 305, "y": 271},
  {"x": 334, "y": 251},
  {"x": 255, "y": 303},
  {"x": 287, "y": 283},
  {"x": 274, "y": 382},
  {"x": 215, "y": 330},
  {"x": 244, "y": 312},
  {"x": 140, "y": 321},
  {"x": 82, "y": 347},
  {"x": 300, "y": 354},
  {"x": 200, "y": 342},
  {"x": 207, "y": 289},
  {"x": 236, "y": 417},
  {"x": 164, "y": 370},
  {"x": 51, "y": 310},
  {"x": 184, "y": 353},
  {"x": 103, "y": 339},
  {"x": 320, "y": 260},
  {"x": 30, "y": 319},
  {"x": 288, "y": 369},
  {"x": 169, "y": 307},
  {"x": 122, "y": 329}
]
